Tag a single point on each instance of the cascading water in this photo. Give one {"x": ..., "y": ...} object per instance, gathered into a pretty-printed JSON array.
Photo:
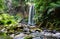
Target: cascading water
[{"x": 31, "y": 15}]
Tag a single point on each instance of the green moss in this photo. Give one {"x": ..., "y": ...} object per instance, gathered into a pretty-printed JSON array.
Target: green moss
[{"x": 28, "y": 37}]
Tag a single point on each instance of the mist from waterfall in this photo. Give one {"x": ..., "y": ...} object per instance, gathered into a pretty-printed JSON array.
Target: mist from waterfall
[{"x": 31, "y": 15}]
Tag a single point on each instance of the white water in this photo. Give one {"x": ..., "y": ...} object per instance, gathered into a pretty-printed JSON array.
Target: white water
[{"x": 31, "y": 15}]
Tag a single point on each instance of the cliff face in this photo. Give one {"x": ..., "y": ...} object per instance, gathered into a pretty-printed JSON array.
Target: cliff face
[
  {"x": 22, "y": 10},
  {"x": 21, "y": 7}
]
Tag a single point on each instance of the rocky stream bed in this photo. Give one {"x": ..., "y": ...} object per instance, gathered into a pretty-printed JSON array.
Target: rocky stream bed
[{"x": 32, "y": 32}]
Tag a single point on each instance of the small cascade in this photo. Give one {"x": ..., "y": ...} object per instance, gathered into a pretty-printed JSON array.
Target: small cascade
[{"x": 31, "y": 15}]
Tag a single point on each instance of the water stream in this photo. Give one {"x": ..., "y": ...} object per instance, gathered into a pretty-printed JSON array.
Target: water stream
[{"x": 31, "y": 15}]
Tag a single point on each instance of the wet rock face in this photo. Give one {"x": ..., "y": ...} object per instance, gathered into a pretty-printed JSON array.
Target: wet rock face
[
  {"x": 19, "y": 8},
  {"x": 26, "y": 30}
]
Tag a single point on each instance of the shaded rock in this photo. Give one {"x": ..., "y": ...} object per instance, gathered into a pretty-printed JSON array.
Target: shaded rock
[
  {"x": 12, "y": 36},
  {"x": 20, "y": 36}
]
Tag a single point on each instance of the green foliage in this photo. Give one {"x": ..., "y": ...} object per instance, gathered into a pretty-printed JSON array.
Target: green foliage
[
  {"x": 15, "y": 3},
  {"x": 4, "y": 36},
  {"x": 7, "y": 20},
  {"x": 2, "y": 5},
  {"x": 28, "y": 37},
  {"x": 43, "y": 15},
  {"x": 18, "y": 18},
  {"x": 18, "y": 2}
]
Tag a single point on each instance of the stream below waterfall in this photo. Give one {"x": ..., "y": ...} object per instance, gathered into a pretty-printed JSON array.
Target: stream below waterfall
[{"x": 40, "y": 35}]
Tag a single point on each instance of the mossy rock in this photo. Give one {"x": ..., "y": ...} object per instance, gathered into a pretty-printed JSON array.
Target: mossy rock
[{"x": 28, "y": 37}]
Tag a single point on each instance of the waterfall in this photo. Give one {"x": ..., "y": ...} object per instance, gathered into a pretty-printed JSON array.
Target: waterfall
[{"x": 31, "y": 15}]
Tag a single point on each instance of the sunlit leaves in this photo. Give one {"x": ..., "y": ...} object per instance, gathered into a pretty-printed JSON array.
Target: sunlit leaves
[
  {"x": 7, "y": 20},
  {"x": 1, "y": 5}
]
